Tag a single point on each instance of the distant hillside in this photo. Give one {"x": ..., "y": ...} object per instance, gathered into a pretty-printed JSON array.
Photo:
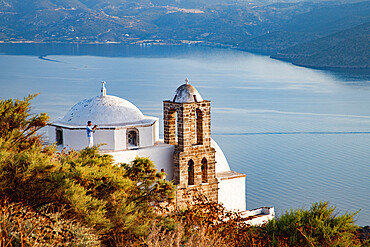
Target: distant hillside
[
  {"x": 303, "y": 27},
  {"x": 264, "y": 26},
  {"x": 224, "y": 21},
  {"x": 275, "y": 41},
  {"x": 332, "y": 18},
  {"x": 345, "y": 49},
  {"x": 250, "y": 25}
]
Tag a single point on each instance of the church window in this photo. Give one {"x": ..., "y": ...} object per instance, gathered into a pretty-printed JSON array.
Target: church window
[
  {"x": 132, "y": 138},
  {"x": 199, "y": 126},
  {"x": 195, "y": 98},
  {"x": 173, "y": 126},
  {"x": 59, "y": 136},
  {"x": 191, "y": 172},
  {"x": 204, "y": 170}
]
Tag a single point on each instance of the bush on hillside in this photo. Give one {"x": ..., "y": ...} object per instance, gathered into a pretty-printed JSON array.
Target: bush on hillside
[
  {"x": 318, "y": 226},
  {"x": 84, "y": 185},
  {"x": 18, "y": 125},
  {"x": 22, "y": 226}
]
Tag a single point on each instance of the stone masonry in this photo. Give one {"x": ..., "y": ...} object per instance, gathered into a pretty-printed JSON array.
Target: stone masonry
[{"x": 192, "y": 140}]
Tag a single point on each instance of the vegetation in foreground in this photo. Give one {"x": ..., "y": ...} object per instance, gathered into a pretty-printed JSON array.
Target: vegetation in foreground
[{"x": 51, "y": 198}]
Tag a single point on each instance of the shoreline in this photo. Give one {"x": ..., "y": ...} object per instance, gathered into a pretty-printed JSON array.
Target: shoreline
[
  {"x": 149, "y": 43},
  {"x": 344, "y": 67}
]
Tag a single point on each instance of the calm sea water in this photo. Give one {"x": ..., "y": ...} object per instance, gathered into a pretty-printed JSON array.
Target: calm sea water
[{"x": 300, "y": 135}]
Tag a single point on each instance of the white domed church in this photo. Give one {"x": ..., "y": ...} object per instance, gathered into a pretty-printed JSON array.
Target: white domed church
[{"x": 191, "y": 159}]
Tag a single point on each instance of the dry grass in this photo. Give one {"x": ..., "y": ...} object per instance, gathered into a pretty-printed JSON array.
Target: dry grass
[
  {"x": 22, "y": 226},
  {"x": 199, "y": 237}
]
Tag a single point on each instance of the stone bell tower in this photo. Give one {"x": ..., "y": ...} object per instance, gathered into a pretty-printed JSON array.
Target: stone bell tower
[{"x": 187, "y": 125}]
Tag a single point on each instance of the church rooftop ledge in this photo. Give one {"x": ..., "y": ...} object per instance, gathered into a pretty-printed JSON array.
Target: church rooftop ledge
[
  {"x": 178, "y": 103},
  {"x": 157, "y": 145},
  {"x": 229, "y": 175},
  {"x": 148, "y": 121},
  {"x": 258, "y": 212}
]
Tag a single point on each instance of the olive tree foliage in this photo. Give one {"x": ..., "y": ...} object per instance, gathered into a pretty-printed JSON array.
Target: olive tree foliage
[{"x": 84, "y": 186}]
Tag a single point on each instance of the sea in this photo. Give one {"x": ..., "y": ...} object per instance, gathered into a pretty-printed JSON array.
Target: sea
[{"x": 300, "y": 135}]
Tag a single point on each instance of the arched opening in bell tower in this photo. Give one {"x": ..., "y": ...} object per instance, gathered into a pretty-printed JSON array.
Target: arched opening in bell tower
[
  {"x": 199, "y": 126},
  {"x": 173, "y": 127},
  {"x": 204, "y": 170},
  {"x": 191, "y": 172}
]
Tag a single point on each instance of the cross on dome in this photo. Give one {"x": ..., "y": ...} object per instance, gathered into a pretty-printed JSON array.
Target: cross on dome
[
  {"x": 186, "y": 93},
  {"x": 103, "y": 89}
]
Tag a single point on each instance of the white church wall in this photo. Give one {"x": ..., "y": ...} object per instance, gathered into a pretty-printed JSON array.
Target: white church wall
[
  {"x": 160, "y": 154},
  {"x": 113, "y": 139},
  {"x": 146, "y": 136},
  {"x": 120, "y": 142},
  {"x": 162, "y": 158},
  {"x": 51, "y": 134},
  {"x": 75, "y": 139},
  {"x": 156, "y": 131},
  {"x": 104, "y": 136},
  {"x": 231, "y": 193}
]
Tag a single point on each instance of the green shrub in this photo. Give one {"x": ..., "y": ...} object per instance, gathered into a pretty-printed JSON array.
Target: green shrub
[{"x": 318, "y": 226}]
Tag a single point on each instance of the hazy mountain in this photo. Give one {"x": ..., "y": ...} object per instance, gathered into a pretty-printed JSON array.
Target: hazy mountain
[
  {"x": 331, "y": 18},
  {"x": 310, "y": 25},
  {"x": 255, "y": 25},
  {"x": 115, "y": 20},
  {"x": 222, "y": 21},
  {"x": 348, "y": 49}
]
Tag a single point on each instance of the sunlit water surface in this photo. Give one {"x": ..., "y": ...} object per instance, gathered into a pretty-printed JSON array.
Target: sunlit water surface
[{"x": 300, "y": 135}]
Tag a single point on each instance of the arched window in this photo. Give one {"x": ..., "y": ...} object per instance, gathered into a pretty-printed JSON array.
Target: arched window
[
  {"x": 199, "y": 126},
  {"x": 204, "y": 170},
  {"x": 59, "y": 136},
  {"x": 173, "y": 127},
  {"x": 132, "y": 138},
  {"x": 191, "y": 172}
]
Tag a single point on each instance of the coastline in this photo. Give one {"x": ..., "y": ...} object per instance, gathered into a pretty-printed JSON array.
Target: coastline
[
  {"x": 328, "y": 67},
  {"x": 148, "y": 43}
]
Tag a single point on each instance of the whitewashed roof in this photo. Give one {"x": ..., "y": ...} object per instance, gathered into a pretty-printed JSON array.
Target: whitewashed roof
[
  {"x": 186, "y": 93},
  {"x": 103, "y": 110}
]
